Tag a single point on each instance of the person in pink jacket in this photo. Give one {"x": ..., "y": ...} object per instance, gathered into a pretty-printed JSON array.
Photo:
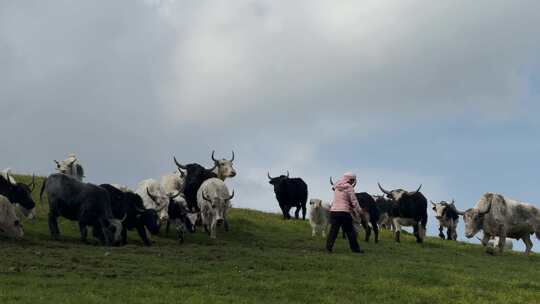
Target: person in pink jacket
[{"x": 343, "y": 206}]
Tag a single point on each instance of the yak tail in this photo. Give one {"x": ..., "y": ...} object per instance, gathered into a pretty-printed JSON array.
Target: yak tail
[{"x": 41, "y": 191}]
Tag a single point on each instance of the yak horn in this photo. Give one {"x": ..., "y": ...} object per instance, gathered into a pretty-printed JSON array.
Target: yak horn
[
  {"x": 232, "y": 195},
  {"x": 150, "y": 195},
  {"x": 418, "y": 190},
  {"x": 180, "y": 166},
  {"x": 383, "y": 190}
]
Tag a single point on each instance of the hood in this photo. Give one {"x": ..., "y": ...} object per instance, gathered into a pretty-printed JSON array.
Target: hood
[{"x": 342, "y": 184}]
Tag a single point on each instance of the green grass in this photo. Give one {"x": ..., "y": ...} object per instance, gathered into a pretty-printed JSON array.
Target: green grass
[{"x": 263, "y": 259}]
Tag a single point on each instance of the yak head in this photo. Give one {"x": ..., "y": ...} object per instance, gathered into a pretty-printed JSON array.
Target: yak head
[
  {"x": 441, "y": 208},
  {"x": 224, "y": 167},
  {"x": 398, "y": 194},
  {"x": 275, "y": 181}
]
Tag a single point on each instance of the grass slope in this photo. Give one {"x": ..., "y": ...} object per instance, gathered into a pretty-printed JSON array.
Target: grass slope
[{"x": 263, "y": 259}]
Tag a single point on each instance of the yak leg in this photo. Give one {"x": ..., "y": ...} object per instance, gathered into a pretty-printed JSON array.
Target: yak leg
[
  {"x": 502, "y": 239},
  {"x": 441, "y": 232},
  {"x": 285, "y": 211},
  {"x": 53, "y": 226},
  {"x": 366, "y": 228},
  {"x": 450, "y": 233},
  {"x": 297, "y": 212},
  {"x": 375, "y": 227},
  {"x": 142, "y": 233},
  {"x": 485, "y": 239},
  {"x": 419, "y": 232},
  {"x": 397, "y": 229},
  {"x": 528, "y": 244},
  {"x": 213, "y": 229},
  {"x": 84, "y": 232},
  {"x": 304, "y": 211}
]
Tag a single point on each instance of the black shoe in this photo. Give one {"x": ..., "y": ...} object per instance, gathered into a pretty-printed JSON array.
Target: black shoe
[{"x": 328, "y": 250}]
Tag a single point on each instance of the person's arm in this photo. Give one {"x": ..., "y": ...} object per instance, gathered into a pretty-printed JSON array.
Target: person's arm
[{"x": 354, "y": 200}]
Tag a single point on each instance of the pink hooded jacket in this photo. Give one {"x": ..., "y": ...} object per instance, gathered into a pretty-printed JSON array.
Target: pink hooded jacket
[{"x": 344, "y": 196}]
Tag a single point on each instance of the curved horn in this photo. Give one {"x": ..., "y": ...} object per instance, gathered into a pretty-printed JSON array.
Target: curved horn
[
  {"x": 287, "y": 173},
  {"x": 487, "y": 211},
  {"x": 124, "y": 218},
  {"x": 331, "y": 181},
  {"x": 269, "y": 177},
  {"x": 418, "y": 190},
  {"x": 432, "y": 203},
  {"x": 8, "y": 178},
  {"x": 213, "y": 158},
  {"x": 232, "y": 159},
  {"x": 32, "y": 185},
  {"x": 383, "y": 190},
  {"x": 205, "y": 197},
  {"x": 231, "y": 197},
  {"x": 213, "y": 168},
  {"x": 171, "y": 195},
  {"x": 460, "y": 212},
  {"x": 72, "y": 162},
  {"x": 180, "y": 166},
  {"x": 182, "y": 173},
  {"x": 150, "y": 195}
]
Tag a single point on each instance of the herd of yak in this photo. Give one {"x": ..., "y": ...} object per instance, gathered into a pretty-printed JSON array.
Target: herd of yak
[{"x": 195, "y": 196}]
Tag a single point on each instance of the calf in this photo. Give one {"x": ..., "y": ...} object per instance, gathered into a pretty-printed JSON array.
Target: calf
[
  {"x": 319, "y": 216},
  {"x": 493, "y": 243},
  {"x": 130, "y": 206},
  {"x": 88, "y": 204},
  {"x": 10, "y": 226},
  {"x": 214, "y": 201},
  {"x": 448, "y": 217}
]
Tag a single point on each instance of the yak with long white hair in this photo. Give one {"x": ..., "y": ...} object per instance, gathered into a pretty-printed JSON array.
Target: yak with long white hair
[
  {"x": 155, "y": 197},
  {"x": 10, "y": 226},
  {"x": 214, "y": 200},
  {"x": 499, "y": 216},
  {"x": 70, "y": 166}
]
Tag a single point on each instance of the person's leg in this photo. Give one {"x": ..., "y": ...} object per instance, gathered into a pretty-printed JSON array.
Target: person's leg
[
  {"x": 334, "y": 230},
  {"x": 351, "y": 233}
]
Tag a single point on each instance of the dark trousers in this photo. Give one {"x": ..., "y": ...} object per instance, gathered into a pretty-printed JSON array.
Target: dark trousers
[{"x": 344, "y": 221}]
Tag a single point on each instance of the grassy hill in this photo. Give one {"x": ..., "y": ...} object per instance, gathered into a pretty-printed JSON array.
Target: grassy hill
[{"x": 261, "y": 260}]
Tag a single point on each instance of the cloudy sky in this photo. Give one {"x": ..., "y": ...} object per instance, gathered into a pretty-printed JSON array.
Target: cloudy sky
[{"x": 443, "y": 94}]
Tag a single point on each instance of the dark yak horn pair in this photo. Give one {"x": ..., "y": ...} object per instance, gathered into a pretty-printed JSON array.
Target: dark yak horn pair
[
  {"x": 215, "y": 160},
  {"x": 388, "y": 192},
  {"x": 269, "y": 177},
  {"x": 182, "y": 167}
]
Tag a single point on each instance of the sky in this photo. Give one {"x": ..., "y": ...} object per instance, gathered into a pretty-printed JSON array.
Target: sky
[{"x": 443, "y": 94}]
